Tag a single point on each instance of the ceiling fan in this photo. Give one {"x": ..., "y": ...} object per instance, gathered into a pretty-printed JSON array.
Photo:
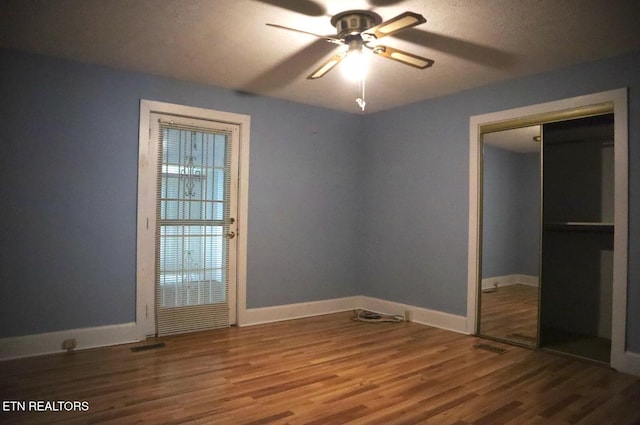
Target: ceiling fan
[{"x": 358, "y": 29}]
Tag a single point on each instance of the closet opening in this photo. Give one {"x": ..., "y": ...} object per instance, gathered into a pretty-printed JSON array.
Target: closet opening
[
  {"x": 548, "y": 227},
  {"x": 577, "y": 237}
]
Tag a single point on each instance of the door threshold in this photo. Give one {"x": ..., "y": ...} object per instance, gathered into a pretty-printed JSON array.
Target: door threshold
[{"x": 575, "y": 356}]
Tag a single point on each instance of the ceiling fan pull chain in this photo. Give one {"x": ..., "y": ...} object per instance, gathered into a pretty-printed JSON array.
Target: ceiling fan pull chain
[{"x": 360, "y": 101}]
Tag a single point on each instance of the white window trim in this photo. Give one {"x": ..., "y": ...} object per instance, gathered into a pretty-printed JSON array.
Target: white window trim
[
  {"x": 621, "y": 359},
  {"x": 145, "y": 317}
]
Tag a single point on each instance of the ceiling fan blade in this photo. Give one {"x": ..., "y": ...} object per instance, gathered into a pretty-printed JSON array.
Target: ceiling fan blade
[
  {"x": 324, "y": 37},
  {"x": 290, "y": 68},
  {"x": 401, "y": 22},
  {"x": 403, "y": 57},
  {"x": 325, "y": 67}
]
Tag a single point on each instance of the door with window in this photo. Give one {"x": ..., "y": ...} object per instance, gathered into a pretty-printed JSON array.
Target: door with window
[{"x": 196, "y": 172}]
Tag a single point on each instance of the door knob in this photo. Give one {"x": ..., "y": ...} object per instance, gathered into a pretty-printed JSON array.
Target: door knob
[{"x": 231, "y": 235}]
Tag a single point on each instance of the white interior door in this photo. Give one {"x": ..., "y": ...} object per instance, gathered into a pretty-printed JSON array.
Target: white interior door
[{"x": 196, "y": 181}]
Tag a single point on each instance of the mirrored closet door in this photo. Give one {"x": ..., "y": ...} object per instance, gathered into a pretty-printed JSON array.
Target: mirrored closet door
[
  {"x": 546, "y": 261},
  {"x": 510, "y": 260}
]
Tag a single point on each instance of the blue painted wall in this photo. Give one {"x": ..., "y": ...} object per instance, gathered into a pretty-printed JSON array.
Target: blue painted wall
[
  {"x": 68, "y": 218},
  {"x": 416, "y": 185},
  {"x": 510, "y": 213},
  {"x": 339, "y": 204}
]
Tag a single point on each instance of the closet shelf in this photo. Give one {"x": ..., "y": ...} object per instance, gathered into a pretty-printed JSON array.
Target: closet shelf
[
  {"x": 604, "y": 141},
  {"x": 585, "y": 226}
]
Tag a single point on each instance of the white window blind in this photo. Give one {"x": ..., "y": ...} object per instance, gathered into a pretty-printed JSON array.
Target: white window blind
[{"x": 193, "y": 216}]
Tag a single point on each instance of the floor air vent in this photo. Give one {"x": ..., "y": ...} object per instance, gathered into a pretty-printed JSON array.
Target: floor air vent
[
  {"x": 147, "y": 347},
  {"x": 489, "y": 347}
]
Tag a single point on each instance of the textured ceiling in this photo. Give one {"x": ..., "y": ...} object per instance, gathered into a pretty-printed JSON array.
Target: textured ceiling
[{"x": 226, "y": 42}]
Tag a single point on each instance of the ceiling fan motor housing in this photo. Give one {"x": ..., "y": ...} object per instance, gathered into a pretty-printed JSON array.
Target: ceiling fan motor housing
[{"x": 354, "y": 22}]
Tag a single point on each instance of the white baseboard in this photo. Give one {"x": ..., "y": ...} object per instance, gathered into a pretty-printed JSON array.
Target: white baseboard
[
  {"x": 627, "y": 362},
  {"x": 256, "y": 316},
  {"x": 524, "y": 279},
  {"x": 510, "y": 279},
  {"x": 424, "y": 316},
  {"x": 100, "y": 336},
  {"x": 420, "y": 315},
  {"x": 51, "y": 342}
]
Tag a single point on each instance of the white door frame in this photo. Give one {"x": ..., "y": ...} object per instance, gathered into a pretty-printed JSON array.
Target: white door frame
[
  {"x": 145, "y": 281},
  {"x": 620, "y": 358}
]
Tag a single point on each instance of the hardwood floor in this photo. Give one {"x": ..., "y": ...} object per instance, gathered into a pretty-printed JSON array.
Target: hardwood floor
[
  {"x": 510, "y": 313},
  {"x": 322, "y": 370}
]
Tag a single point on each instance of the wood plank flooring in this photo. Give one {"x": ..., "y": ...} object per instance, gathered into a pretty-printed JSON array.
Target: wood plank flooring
[
  {"x": 510, "y": 313},
  {"x": 322, "y": 370}
]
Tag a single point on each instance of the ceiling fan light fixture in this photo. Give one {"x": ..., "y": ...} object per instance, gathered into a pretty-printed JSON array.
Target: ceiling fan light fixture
[{"x": 355, "y": 64}]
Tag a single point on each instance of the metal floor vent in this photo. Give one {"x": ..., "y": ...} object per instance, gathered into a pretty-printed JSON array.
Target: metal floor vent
[
  {"x": 147, "y": 347},
  {"x": 489, "y": 347}
]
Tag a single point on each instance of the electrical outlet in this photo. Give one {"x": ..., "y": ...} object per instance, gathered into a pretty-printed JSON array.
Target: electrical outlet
[
  {"x": 69, "y": 344},
  {"x": 408, "y": 316}
]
